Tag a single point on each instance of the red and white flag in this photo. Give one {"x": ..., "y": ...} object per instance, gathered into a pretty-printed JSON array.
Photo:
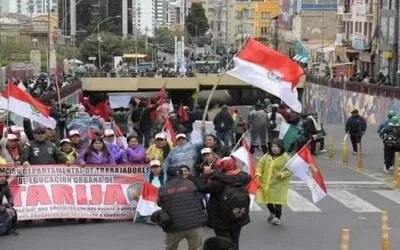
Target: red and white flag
[
  {"x": 183, "y": 114},
  {"x": 270, "y": 71},
  {"x": 169, "y": 129},
  {"x": 147, "y": 203},
  {"x": 23, "y": 104},
  {"x": 304, "y": 167},
  {"x": 121, "y": 140}
]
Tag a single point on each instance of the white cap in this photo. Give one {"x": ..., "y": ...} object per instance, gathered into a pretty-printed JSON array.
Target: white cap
[
  {"x": 74, "y": 132},
  {"x": 65, "y": 140},
  {"x": 206, "y": 151},
  {"x": 155, "y": 163},
  {"x": 161, "y": 136},
  {"x": 15, "y": 129},
  {"x": 109, "y": 132},
  {"x": 181, "y": 136},
  {"x": 12, "y": 137}
]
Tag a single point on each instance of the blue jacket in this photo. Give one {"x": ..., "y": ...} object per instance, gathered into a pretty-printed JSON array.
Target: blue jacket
[
  {"x": 183, "y": 155},
  {"x": 383, "y": 125}
]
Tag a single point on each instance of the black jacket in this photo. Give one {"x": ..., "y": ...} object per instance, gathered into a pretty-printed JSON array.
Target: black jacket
[
  {"x": 179, "y": 198},
  {"x": 223, "y": 117},
  {"x": 215, "y": 188},
  {"x": 356, "y": 125},
  {"x": 42, "y": 153},
  {"x": 5, "y": 191}
]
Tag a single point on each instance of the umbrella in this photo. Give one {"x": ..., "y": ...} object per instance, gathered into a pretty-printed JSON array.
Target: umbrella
[
  {"x": 80, "y": 70},
  {"x": 75, "y": 61}
]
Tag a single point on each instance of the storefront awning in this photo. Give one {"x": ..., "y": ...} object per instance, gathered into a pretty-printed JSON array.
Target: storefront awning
[
  {"x": 296, "y": 57},
  {"x": 304, "y": 60}
]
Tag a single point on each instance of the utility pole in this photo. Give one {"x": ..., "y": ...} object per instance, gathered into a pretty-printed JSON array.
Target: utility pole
[
  {"x": 395, "y": 48},
  {"x": 226, "y": 33},
  {"x": 49, "y": 38}
]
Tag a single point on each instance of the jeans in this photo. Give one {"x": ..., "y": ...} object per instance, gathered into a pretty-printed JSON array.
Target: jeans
[
  {"x": 224, "y": 137},
  {"x": 193, "y": 236},
  {"x": 231, "y": 234},
  {"x": 275, "y": 209}
]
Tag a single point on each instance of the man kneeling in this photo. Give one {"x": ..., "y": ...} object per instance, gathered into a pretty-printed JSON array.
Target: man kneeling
[{"x": 181, "y": 215}]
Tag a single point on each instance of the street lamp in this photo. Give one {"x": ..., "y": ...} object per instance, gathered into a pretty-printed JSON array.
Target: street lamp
[{"x": 98, "y": 35}]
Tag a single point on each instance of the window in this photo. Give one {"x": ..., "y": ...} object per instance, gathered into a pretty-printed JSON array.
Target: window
[
  {"x": 265, "y": 15},
  {"x": 365, "y": 29},
  {"x": 265, "y": 31},
  {"x": 356, "y": 31}
]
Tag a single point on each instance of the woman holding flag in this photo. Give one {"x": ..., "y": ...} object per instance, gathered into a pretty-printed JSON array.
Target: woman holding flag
[{"x": 274, "y": 181}]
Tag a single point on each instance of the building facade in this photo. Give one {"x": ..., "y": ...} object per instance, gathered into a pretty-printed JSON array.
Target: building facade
[
  {"x": 357, "y": 22},
  {"x": 161, "y": 14},
  {"x": 255, "y": 18}
]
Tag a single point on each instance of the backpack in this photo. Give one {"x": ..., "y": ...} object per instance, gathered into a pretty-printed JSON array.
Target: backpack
[
  {"x": 234, "y": 203},
  {"x": 8, "y": 224},
  {"x": 390, "y": 140}
]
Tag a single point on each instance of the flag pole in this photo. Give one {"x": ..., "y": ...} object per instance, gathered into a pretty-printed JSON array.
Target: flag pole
[
  {"x": 237, "y": 144},
  {"x": 220, "y": 78},
  {"x": 8, "y": 104},
  {"x": 58, "y": 90}
]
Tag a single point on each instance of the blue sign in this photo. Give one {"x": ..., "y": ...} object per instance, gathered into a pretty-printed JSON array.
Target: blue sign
[{"x": 359, "y": 44}]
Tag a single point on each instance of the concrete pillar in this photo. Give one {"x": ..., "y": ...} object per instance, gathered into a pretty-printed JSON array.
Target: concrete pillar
[
  {"x": 53, "y": 61},
  {"x": 72, "y": 7},
  {"x": 35, "y": 59}
]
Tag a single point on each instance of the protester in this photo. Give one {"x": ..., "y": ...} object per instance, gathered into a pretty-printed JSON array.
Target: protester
[
  {"x": 68, "y": 151},
  {"x": 118, "y": 153},
  {"x": 391, "y": 142},
  {"x": 223, "y": 123},
  {"x": 257, "y": 120},
  {"x": 96, "y": 153},
  {"x": 41, "y": 151},
  {"x": 12, "y": 150},
  {"x": 6, "y": 198},
  {"x": 156, "y": 174},
  {"x": 318, "y": 137},
  {"x": 160, "y": 149},
  {"x": 211, "y": 141},
  {"x": 186, "y": 174},
  {"x": 141, "y": 118},
  {"x": 274, "y": 181},
  {"x": 239, "y": 125},
  {"x": 228, "y": 206},
  {"x": 76, "y": 142},
  {"x": 356, "y": 127},
  {"x": 185, "y": 153},
  {"x": 274, "y": 124},
  {"x": 135, "y": 152},
  {"x": 179, "y": 202}
]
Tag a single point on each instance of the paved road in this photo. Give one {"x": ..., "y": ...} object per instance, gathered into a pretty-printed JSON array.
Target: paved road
[{"x": 355, "y": 201}]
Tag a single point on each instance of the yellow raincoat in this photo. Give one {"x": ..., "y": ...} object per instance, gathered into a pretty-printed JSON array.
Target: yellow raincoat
[
  {"x": 273, "y": 189},
  {"x": 156, "y": 153},
  {"x": 71, "y": 156}
]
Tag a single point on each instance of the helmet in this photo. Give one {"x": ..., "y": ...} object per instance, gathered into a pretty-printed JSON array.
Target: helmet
[
  {"x": 391, "y": 113},
  {"x": 394, "y": 120}
]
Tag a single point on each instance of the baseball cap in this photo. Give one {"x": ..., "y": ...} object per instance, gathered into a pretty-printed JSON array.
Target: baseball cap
[
  {"x": 65, "y": 140},
  {"x": 15, "y": 129},
  {"x": 11, "y": 137},
  {"x": 181, "y": 136},
  {"x": 109, "y": 132},
  {"x": 155, "y": 163},
  {"x": 74, "y": 132},
  {"x": 161, "y": 136},
  {"x": 206, "y": 151}
]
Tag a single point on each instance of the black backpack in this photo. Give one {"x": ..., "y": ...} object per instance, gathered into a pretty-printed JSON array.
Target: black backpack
[
  {"x": 234, "y": 203},
  {"x": 391, "y": 139}
]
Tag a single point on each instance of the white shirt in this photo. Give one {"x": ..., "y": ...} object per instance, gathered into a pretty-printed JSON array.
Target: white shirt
[{"x": 156, "y": 181}]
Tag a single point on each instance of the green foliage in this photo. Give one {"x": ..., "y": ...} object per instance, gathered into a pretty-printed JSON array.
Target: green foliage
[
  {"x": 197, "y": 17},
  {"x": 164, "y": 39}
]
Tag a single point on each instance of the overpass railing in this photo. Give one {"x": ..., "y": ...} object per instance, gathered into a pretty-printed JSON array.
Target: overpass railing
[
  {"x": 359, "y": 87},
  {"x": 64, "y": 92}
]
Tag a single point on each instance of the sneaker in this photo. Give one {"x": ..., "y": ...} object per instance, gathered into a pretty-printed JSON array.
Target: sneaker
[
  {"x": 270, "y": 217},
  {"x": 391, "y": 167},
  {"x": 354, "y": 152},
  {"x": 276, "y": 221},
  {"x": 385, "y": 170},
  {"x": 323, "y": 151}
]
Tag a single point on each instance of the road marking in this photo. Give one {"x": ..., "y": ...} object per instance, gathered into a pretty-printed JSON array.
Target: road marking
[
  {"x": 298, "y": 203},
  {"x": 391, "y": 195},
  {"x": 254, "y": 207},
  {"x": 352, "y": 201},
  {"x": 345, "y": 182}
]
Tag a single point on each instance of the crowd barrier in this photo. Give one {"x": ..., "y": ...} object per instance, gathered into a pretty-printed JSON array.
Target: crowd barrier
[{"x": 65, "y": 192}]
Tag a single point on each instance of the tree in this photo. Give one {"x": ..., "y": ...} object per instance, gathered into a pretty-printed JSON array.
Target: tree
[
  {"x": 164, "y": 39},
  {"x": 197, "y": 20}
]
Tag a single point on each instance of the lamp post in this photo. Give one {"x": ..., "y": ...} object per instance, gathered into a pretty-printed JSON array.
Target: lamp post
[{"x": 98, "y": 35}]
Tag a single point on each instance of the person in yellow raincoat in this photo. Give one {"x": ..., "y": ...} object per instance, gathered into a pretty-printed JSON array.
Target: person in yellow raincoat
[
  {"x": 274, "y": 181},
  {"x": 160, "y": 149}
]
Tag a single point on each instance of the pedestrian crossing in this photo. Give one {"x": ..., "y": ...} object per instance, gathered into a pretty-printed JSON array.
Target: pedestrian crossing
[{"x": 344, "y": 199}]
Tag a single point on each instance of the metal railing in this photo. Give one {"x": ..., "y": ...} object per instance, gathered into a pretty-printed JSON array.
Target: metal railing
[{"x": 359, "y": 87}]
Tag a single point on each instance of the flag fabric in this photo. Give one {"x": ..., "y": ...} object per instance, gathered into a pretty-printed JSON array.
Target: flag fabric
[
  {"x": 23, "y": 104},
  {"x": 270, "y": 71},
  {"x": 102, "y": 110},
  {"x": 171, "y": 106},
  {"x": 121, "y": 140},
  {"x": 288, "y": 133},
  {"x": 153, "y": 113},
  {"x": 183, "y": 114},
  {"x": 304, "y": 167},
  {"x": 147, "y": 203},
  {"x": 161, "y": 95},
  {"x": 171, "y": 133}
]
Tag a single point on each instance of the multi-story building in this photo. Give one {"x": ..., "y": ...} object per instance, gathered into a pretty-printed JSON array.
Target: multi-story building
[
  {"x": 143, "y": 17},
  {"x": 357, "y": 20},
  {"x": 255, "y": 18},
  {"x": 161, "y": 13}
]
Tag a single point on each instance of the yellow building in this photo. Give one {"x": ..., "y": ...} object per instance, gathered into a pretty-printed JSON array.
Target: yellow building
[{"x": 254, "y": 18}]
